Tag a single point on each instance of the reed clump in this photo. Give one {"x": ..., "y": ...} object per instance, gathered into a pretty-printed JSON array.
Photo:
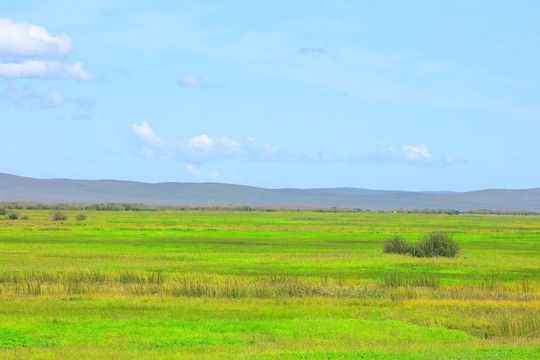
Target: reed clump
[{"x": 393, "y": 285}]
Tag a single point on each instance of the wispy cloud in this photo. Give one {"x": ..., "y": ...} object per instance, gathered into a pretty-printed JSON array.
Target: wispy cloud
[
  {"x": 26, "y": 51},
  {"x": 24, "y": 96},
  {"x": 121, "y": 70},
  {"x": 191, "y": 81},
  {"x": 214, "y": 175},
  {"x": 320, "y": 50},
  {"x": 195, "y": 82},
  {"x": 438, "y": 82}
]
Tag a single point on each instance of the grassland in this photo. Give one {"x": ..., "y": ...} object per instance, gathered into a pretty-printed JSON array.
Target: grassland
[{"x": 254, "y": 285}]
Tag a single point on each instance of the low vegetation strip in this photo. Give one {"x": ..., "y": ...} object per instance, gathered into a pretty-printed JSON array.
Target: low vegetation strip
[{"x": 253, "y": 284}]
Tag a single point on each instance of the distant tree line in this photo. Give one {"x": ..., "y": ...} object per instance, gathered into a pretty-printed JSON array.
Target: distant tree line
[
  {"x": 20, "y": 205},
  {"x": 469, "y": 212},
  {"x": 142, "y": 207}
]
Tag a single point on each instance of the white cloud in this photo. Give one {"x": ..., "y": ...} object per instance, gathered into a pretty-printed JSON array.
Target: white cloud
[
  {"x": 414, "y": 153},
  {"x": 193, "y": 170},
  {"x": 229, "y": 143},
  {"x": 26, "y": 51},
  {"x": 77, "y": 71},
  {"x": 405, "y": 153},
  {"x": 202, "y": 142},
  {"x": 23, "y": 39},
  {"x": 146, "y": 133},
  {"x": 202, "y": 148},
  {"x": 190, "y": 81},
  {"x": 31, "y": 68},
  {"x": 409, "y": 154},
  {"x": 46, "y": 70}
]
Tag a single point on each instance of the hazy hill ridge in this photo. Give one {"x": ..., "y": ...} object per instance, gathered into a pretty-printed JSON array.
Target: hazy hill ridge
[{"x": 17, "y": 188}]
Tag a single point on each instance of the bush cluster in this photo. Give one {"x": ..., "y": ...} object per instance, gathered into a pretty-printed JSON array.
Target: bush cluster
[
  {"x": 12, "y": 215},
  {"x": 395, "y": 245},
  {"x": 437, "y": 244},
  {"x": 58, "y": 215},
  {"x": 431, "y": 245}
]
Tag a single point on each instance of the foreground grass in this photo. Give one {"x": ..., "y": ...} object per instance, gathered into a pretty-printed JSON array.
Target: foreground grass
[
  {"x": 242, "y": 285},
  {"x": 247, "y": 328}
]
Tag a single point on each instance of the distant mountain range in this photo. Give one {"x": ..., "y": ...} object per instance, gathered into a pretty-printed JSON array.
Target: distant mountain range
[{"x": 54, "y": 191}]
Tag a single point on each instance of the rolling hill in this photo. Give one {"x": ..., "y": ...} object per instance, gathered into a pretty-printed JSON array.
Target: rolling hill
[{"x": 17, "y": 188}]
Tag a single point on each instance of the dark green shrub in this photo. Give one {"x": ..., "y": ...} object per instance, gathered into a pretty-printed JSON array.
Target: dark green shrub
[
  {"x": 395, "y": 245},
  {"x": 58, "y": 215},
  {"x": 437, "y": 244},
  {"x": 12, "y": 215},
  {"x": 81, "y": 217},
  {"x": 411, "y": 249},
  {"x": 3, "y": 211}
]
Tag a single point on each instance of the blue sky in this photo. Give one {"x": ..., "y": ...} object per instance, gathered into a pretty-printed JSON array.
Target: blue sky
[{"x": 411, "y": 95}]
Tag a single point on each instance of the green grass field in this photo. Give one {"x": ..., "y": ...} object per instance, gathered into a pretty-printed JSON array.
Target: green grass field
[{"x": 266, "y": 285}]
